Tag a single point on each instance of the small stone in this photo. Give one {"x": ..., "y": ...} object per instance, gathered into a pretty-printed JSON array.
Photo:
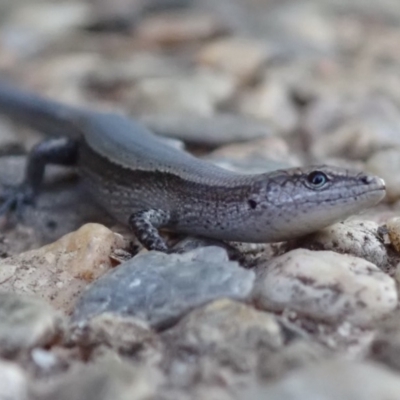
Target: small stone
[
  {"x": 14, "y": 383},
  {"x": 385, "y": 347},
  {"x": 357, "y": 130},
  {"x": 63, "y": 78},
  {"x": 116, "y": 15},
  {"x": 125, "y": 335},
  {"x": 107, "y": 379},
  {"x": 326, "y": 286},
  {"x": 386, "y": 164},
  {"x": 110, "y": 72},
  {"x": 32, "y": 27},
  {"x": 262, "y": 152},
  {"x": 241, "y": 58},
  {"x": 302, "y": 29},
  {"x": 59, "y": 271},
  {"x": 297, "y": 354},
  {"x": 179, "y": 27},
  {"x": 26, "y": 322},
  {"x": 228, "y": 331},
  {"x": 393, "y": 227},
  {"x": 161, "y": 288},
  {"x": 358, "y": 238},
  {"x": 122, "y": 15},
  {"x": 198, "y": 93},
  {"x": 271, "y": 101},
  {"x": 333, "y": 380},
  {"x": 210, "y": 131}
]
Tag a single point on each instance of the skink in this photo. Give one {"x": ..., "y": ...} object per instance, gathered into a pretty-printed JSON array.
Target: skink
[{"x": 148, "y": 185}]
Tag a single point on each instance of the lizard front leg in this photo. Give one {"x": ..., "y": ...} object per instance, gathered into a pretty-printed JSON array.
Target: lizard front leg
[
  {"x": 61, "y": 151},
  {"x": 145, "y": 224}
]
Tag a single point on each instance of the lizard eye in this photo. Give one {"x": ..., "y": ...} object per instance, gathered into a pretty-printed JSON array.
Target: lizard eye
[{"x": 317, "y": 179}]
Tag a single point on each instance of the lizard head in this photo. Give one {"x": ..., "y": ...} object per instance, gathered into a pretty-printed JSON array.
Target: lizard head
[{"x": 303, "y": 200}]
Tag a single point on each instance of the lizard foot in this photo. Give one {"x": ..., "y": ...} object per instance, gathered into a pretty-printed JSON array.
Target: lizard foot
[{"x": 15, "y": 198}]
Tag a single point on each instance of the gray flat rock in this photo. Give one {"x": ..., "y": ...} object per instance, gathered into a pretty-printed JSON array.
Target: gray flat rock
[{"x": 161, "y": 288}]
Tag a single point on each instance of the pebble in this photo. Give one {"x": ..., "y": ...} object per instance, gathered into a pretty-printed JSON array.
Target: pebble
[
  {"x": 33, "y": 27},
  {"x": 123, "y": 334},
  {"x": 386, "y": 164},
  {"x": 302, "y": 29},
  {"x": 232, "y": 334},
  {"x": 196, "y": 93},
  {"x": 393, "y": 227},
  {"x": 123, "y": 15},
  {"x": 294, "y": 355},
  {"x": 116, "y": 15},
  {"x": 14, "y": 384},
  {"x": 271, "y": 101},
  {"x": 358, "y": 238},
  {"x": 106, "y": 379},
  {"x": 219, "y": 346},
  {"x": 333, "y": 380},
  {"x": 161, "y": 288},
  {"x": 239, "y": 57},
  {"x": 60, "y": 271},
  {"x": 359, "y": 129},
  {"x": 177, "y": 27},
  {"x": 260, "y": 151},
  {"x": 26, "y": 322},
  {"x": 326, "y": 286},
  {"x": 213, "y": 131},
  {"x": 385, "y": 347},
  {"x": 128, "y": 69},
  {"x": 64, "y": 77}
]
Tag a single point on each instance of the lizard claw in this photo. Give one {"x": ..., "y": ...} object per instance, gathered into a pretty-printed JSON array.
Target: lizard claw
[{"x": 15, "y": 198}]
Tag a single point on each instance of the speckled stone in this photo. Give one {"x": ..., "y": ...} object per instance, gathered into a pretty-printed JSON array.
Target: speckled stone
[
  {"x": 356, "y": 237},
  {"x": 326, "y": 286}
]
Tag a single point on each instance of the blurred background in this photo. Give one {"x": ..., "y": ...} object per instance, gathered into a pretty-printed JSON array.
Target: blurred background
[{"x": 320, "y": 77}]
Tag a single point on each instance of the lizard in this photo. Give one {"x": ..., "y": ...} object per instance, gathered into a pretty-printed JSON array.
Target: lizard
[{"x": 149, "y": 185}]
